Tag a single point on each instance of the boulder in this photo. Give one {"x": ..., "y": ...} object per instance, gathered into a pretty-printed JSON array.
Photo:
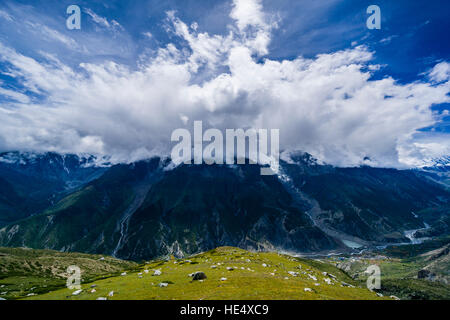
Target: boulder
[
  {"x": 157, "y": 272},
  {"x": 424, "y": 274},
  {"x": 199, "y": 275},
  {"x": 77, "y": 292}
]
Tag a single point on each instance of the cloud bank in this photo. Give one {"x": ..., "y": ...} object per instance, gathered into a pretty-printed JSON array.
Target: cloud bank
[{"x": 329, "y": 106}]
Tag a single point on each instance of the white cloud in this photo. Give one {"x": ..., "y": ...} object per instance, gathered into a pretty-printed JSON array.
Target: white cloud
[
  {"x": 440, "y": 72},
  {"x": 327, "y": 105},
  {"x": 113, "y": 24},
  {"x": 17, "y": 96},
  {"x": 6, "y": 16}
]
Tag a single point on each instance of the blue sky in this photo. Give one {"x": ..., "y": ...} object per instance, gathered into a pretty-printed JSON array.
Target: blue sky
[{"x": 411, "y": 42}]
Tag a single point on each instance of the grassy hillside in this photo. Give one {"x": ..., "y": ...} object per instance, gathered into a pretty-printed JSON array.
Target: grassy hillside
[
  {"x": 26, "y": 271},
  {"x": 254, "y": 276}
]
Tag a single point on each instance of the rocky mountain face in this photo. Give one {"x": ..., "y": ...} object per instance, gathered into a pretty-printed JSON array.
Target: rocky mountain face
[
  {"x": 148, "y": 209},
  {"x": 29, "y": 183}
]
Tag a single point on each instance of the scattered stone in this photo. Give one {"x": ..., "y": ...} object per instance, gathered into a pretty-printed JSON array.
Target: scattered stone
[
  {"x": 230, "y": 268},
  {"x": 394, "y": 297},
  {"x": 308, "y": 290},
  {"x": 146, "y": 271},
  {"x": 102, "y": 259},
  {"x": 140, "y": 274},
  {"x": 93, "y": 291},
  {"x": 379, "y": 294},
  {"x": 286, "y": 278},
  {"x": 272, "y": 274},
  {"x": 292, "y": 273},
  {"x": 2, "y": 299},
  {"x": 331, "y": 276},
  {"x": 242, "y": 268},
  {"x": 163, "y": 284},
  {"x": 157, "y": 272},
  {"x": 111, "y": 294},
  {"x": 317, "y": 284},
  {"x": 77, "y": 292},
  {"x": 264, "y": 265},
  {"x": 327, "y": 280},
  {"x": 31, "y": 294},
  {"x": 213, "y": 267},
  {"x": 312, "y": 277},
  {"x": 199, "y": 275},
  {"x": 101, "y": 298},
  {"x": 94, "y": 286},
  {"x": 223, "y": 279},
  {"x": 123, "y": 274},
  {"x": 344, "y": 284}
]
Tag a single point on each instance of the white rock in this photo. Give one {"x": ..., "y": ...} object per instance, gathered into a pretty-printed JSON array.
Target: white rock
[
  {"x": 123, "y": 274},
  {"x": 157, "y": 272},
  {"x": 317, "y": 284},
  {"x": 213, "y": 267},
  {"x": 308, "y": 290},
  {"x": 93, "y": 291},
  {"x": 101, "y": 298},
  {"x": 146, "y": 271},
  {"x": 111, "y": 293},
  {"x": 312, "y": 277},
  {"x": 264, "y": 265},
  {"x": 77, "y": 292},
  {"x": 223, "y": 279},
  {"x": 292, "y": 273},
  {"x": 102, "y": 259},
  {"x": 163, "y": 284},
  {"x": 327, "y": 280}
]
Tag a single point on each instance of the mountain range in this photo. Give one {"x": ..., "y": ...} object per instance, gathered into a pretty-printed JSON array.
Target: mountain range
[{"x": 149, "y": 208}]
